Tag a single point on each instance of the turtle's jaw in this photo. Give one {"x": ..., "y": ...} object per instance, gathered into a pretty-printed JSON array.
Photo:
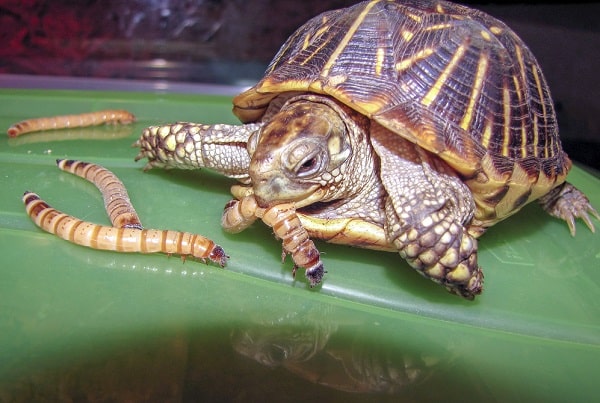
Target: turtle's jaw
[{"x": 274, "y": 188}]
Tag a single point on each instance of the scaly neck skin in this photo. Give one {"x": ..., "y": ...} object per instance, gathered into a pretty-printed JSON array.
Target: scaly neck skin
[{"x": 315, "y": 150}]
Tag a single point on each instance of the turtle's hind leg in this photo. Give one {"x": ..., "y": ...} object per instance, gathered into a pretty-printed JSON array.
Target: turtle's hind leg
[{"x": 569, "y": 203}]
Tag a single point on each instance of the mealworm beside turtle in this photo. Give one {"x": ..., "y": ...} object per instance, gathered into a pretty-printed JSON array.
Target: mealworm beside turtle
[
  {"x": 128, "y": 236},
  {"x": 111, "y": 116}
]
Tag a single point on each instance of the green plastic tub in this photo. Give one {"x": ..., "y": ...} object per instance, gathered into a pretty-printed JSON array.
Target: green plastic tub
[{"x": 78, "y": 324}]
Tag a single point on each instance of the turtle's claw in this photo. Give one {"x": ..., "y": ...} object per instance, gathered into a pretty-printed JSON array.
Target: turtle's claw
[{"x": 569, "y": 203}]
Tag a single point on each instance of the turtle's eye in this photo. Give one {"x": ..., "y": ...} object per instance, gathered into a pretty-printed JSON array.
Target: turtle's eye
[
  {"x": 304, "y": 159},
  {"x": 310, "y": 166},
  {"x": 313, "y": 157}
]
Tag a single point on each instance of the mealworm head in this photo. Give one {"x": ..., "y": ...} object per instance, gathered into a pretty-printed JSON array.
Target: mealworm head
[
  {"x": 218, "y": 256},
  {"x": 29, "y": 197},
  {"x": 315, "y": 274}
]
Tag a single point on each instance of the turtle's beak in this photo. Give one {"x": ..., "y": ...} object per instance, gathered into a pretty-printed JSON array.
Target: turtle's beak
[{"x": 272, "y": 186}]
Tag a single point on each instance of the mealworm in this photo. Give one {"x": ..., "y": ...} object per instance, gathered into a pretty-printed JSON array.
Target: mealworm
[
  {"x": 103, "y": 237},
  {"x": 96, "y": 133},
  {"x": 239, "y": 214},
  {"x": 116, "y": 199},
  {"x": 64, "y": 121}
]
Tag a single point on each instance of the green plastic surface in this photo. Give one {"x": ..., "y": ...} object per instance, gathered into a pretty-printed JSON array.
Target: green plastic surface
[{"x": 86, "y": 325}]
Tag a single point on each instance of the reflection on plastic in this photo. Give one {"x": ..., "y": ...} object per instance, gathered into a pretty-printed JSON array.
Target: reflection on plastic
[
  {"x": 318, "y": 345},
  {"x": 343, "y": 358}
]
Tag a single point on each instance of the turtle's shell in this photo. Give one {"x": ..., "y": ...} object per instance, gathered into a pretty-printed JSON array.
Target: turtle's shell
[{"x": 453, "y": 80}]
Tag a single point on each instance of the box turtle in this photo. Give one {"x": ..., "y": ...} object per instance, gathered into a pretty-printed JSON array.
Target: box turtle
[{"x": 408, "y": 126}]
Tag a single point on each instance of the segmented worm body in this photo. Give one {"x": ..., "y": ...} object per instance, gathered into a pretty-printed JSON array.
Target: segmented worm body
[
  {"x": 239, "y": 214},
  {"x": 64, "y": 121},
  {"x": 116, "y": 199},
  {"x": 127, "y": 234},
  {"x": 102, "y": 237}
]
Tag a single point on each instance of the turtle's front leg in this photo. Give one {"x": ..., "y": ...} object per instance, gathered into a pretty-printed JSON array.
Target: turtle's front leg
[
  {"x": 428, "y": 223},
  {"x": 220, "y": 147},
  {"x": 428, "y": 212},
  {"x": 439, "y": 247},
  {"x": 239, "y": 214}
]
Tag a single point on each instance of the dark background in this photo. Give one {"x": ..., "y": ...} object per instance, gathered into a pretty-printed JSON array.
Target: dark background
[{"x": 231, "y": 41}]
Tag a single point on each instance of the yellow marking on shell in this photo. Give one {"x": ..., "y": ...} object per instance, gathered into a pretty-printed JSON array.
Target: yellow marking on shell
[
  {"x": 518, "y": 185},
  {"x": 496, "y": 30},
  {"x": 519, "y": 55},
  {"x": 315, "y": 52},
  {"x": 523, "y": 138},
  {"x": 538, "y": 84},
  {"x": 536, "y": 136},
  {"x": 524, "y": 133},
  {"x": 485, "y": 186},
  {"x": 407, "y": 35},
  {"x": 518, "y": 89},
  {"x": 487, "y": 134},
  {"x": 507, "y": 116},
  {"x": 414, "y": 17},
  {"x": 321, "y": 31},
  {"x": 437, "y": 86},
  {"x": 486, "y": 35},
  {"x": 438, "y": 27},
  {"x": 347, "y": 37},
  {"x": 439, "y": 8},
  {"x": 334, "y": 81},
  {"x": 408, "y": 62},
  {"x": 379, "y": 61},
  {"x": 465, "y": 123},
  {"x": 308, "y": 38}
]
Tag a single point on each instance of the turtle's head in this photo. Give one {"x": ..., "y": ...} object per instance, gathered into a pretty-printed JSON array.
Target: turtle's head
[{"x": 300, "y": 153}]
